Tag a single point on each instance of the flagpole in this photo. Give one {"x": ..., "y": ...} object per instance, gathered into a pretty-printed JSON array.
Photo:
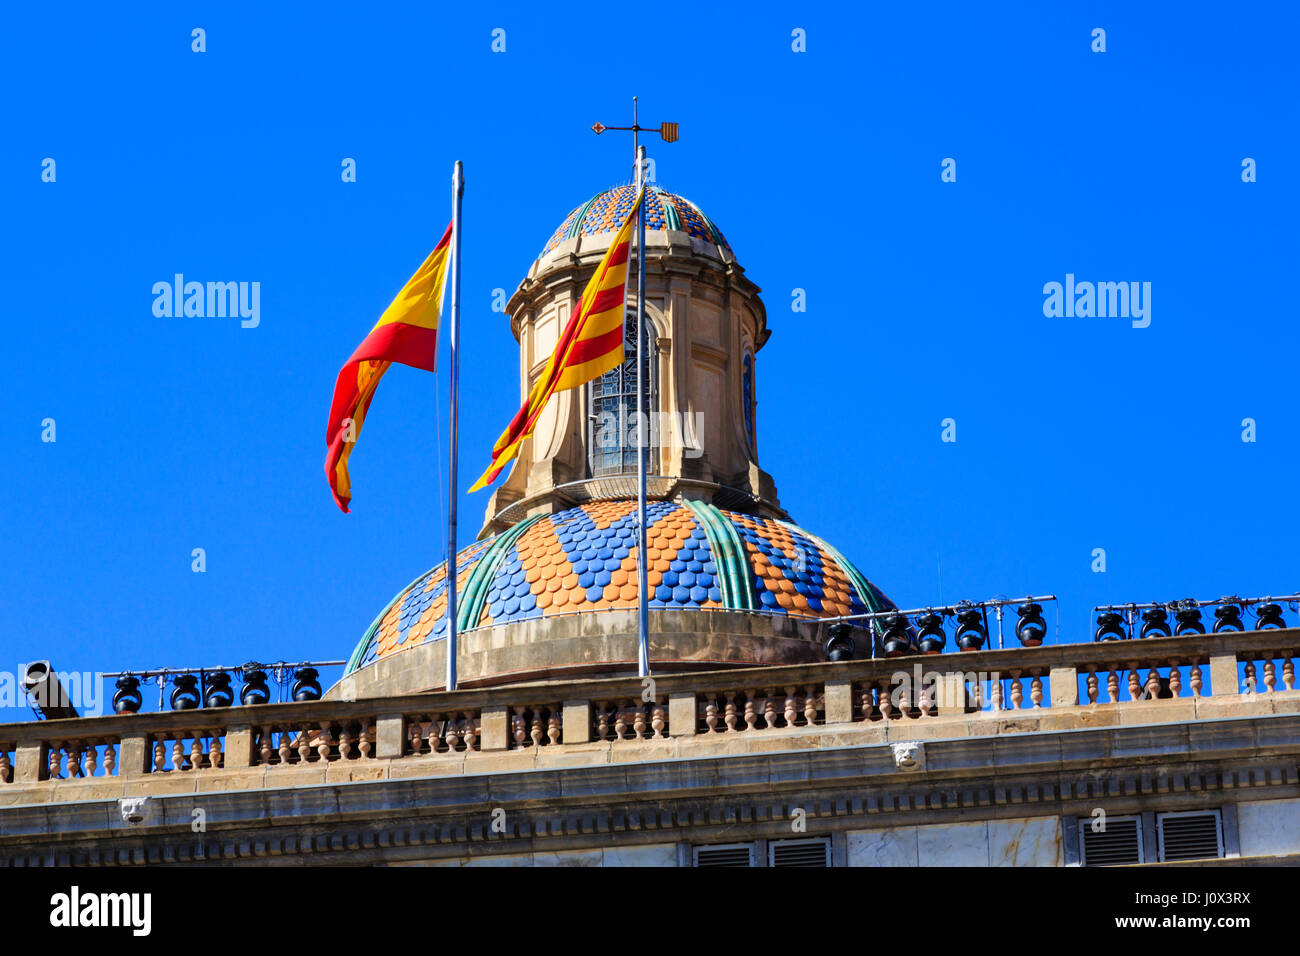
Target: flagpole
[
  {"x": 642, "y": 604},
  {"x": 458, "y": 190}
]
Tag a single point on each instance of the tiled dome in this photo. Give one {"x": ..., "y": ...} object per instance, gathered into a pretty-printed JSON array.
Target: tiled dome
[
  {"x": 584, "y": 560},
  {"x": 607, "y": 211}
]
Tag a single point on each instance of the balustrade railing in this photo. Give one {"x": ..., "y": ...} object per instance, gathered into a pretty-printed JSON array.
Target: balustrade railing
[
  {"x": 182, "y": 751},
  {"x": 536, "y": 725},
  {"x": 628, "y": 719},
  {"x": 1137, "y": 673},
  {"x": 760, "y": 708}
]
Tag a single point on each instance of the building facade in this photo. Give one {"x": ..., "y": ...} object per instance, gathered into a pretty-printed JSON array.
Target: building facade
[{"x": 747, "y": 746}]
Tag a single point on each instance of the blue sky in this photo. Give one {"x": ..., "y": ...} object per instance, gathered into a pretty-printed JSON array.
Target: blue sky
[{"x": 822, "y": 168}]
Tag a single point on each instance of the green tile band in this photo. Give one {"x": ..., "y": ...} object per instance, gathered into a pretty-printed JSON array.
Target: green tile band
[{"x": 476, "y": 588}]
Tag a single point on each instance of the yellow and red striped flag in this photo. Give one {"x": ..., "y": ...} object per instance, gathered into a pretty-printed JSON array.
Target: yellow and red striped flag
[
  {"x": 590, "y": 345},
  {"x": 407, "y": 333}
]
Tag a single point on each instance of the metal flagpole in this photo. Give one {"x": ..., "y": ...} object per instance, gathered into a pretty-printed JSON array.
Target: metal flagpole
[
  {"x": 458, "y": 190},
  {"x": 642, "y": 604},
  {"x": 668, "y": 133}
]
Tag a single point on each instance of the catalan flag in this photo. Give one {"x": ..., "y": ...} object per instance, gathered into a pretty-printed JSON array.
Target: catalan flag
[
  {"x": 590, "y": 345},
  {"x": 406, "y": 333}
]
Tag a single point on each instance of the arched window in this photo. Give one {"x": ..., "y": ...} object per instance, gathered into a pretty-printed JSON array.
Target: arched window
[
  {"x": 748, "y": 386},
  {"x": 611, "y": 424}
]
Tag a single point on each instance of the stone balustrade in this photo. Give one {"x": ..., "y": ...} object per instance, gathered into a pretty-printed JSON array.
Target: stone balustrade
[
  {"x": 425, "y": 732},
  {"x": 628, "y": 719},
  {"x": 760, "y": 708}
]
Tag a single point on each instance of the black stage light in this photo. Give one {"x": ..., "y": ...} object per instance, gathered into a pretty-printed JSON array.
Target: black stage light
[
  {"x": 1031, "y": 628},
  {"x": 305, "y": 684},
  {"x": 839, "y": 645},
  {"x": 185, "y": 693},
  {"x": 1268, "y": 616},
  {"x": 1110, "y": 627},
  {"x": 896, "y": 641},
  {"x": 1188, "y": 616},
  {"x": 1227, "y": 617},
  {"x": 971, "y": 633},
  {"x": 254, "y": 690},
  {"x": 930, "y": 631},
  {"x": 218, "y": 692},
  {"x": 1155, "y": 621},
  {"x": 127, "y": 699}
]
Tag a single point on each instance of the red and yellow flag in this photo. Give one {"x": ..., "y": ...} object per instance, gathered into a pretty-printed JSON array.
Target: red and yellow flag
[
  {"x": 406, "y": 333},
  {"x": 590, "y": 345}
]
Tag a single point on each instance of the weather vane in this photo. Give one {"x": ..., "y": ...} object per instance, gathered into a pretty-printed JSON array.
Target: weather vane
[{"x": 668, "y": 131}]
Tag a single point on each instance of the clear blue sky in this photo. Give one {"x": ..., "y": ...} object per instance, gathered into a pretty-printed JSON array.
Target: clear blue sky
[{"x": 822, "y": 169}]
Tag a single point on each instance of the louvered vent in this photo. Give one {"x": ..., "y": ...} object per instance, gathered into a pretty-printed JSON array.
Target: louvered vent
[
  {"x": 732, "y": 854},
  {"x": 811, "y": 852},
  {"x": 1190, "y": 836},
  {"x": 1119, "y": 843}
]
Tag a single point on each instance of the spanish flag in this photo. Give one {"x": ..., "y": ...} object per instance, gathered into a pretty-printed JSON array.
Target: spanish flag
[
  {"x": 590, "y": 345},
  {"x": 406, "y": 333}
]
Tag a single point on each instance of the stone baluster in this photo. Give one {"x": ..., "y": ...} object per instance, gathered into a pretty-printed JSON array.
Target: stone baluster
[
  {"x": 638, "y": 722},
  {"x": 1036, "y": 690},
  {"x": 553, "y": 725},
  {"x": 519, "y": 727},
  {"x": 1153, "y": 684},
  {"x": 324, "y": 742},
  {"x": 769, "y": 708},
  {"x": 537, "y": 730},
  {"x": 56, "y": 762},
  {"x": 345, "y": 743},
  {"x": 178, "y": 755},
  {"x": 791, "y": 707},
  {"x": 110, "y": 758},
  {"x": 751, "y": 711},
  {"x": 5, "y": 766},
  {"x": 453, "y": 734},
  {"x": 1250, "y": 686},
  {"x": 1112, "y": 687},
  {"x": 1092, "y": 687},
  {"x": 196, "y": 752},
  {"x": 995, "y": 691},
  {"x": 658, "y": 720},
  {"x": 1175, "y": 680},
  {"x": 286, "y": 748},
  {"x": 810, "y": 708},
  {"x": 159, "y": 756},
  {"x": 905, "y": 698},
  {"x": 1017, "y": 691},
  {"x": 711, "y": 715},
  {"x": 620, "y": 722},
  {"x": 417, "y": 740},
  {"x": 886, "y": 701},
  {"x": 366, "y": 742},
  {"x": 92, "y": 758},
  {"x": 214, "y": 751},
  {"x": 926, "y": 699},
  {"x": 977, "y": 695},
  {"x": 1196, "y": 680},
  {"x": 731, "y": 717},
  {"x": 1270, "y": 675},
  {"x": 867, "y": 703},
  {"x": 1134, "y": 686},
  {"x": 303, "y": 745},
  {"x": 1288, "y": 672},
  {"x": 264, "y": 745},
  {"x": 469, "y": 732},
  {"x": 602, "y": 720}
]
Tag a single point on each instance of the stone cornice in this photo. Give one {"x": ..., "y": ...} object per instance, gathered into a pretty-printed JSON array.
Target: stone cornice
[{"x": 700, "y": 799}]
